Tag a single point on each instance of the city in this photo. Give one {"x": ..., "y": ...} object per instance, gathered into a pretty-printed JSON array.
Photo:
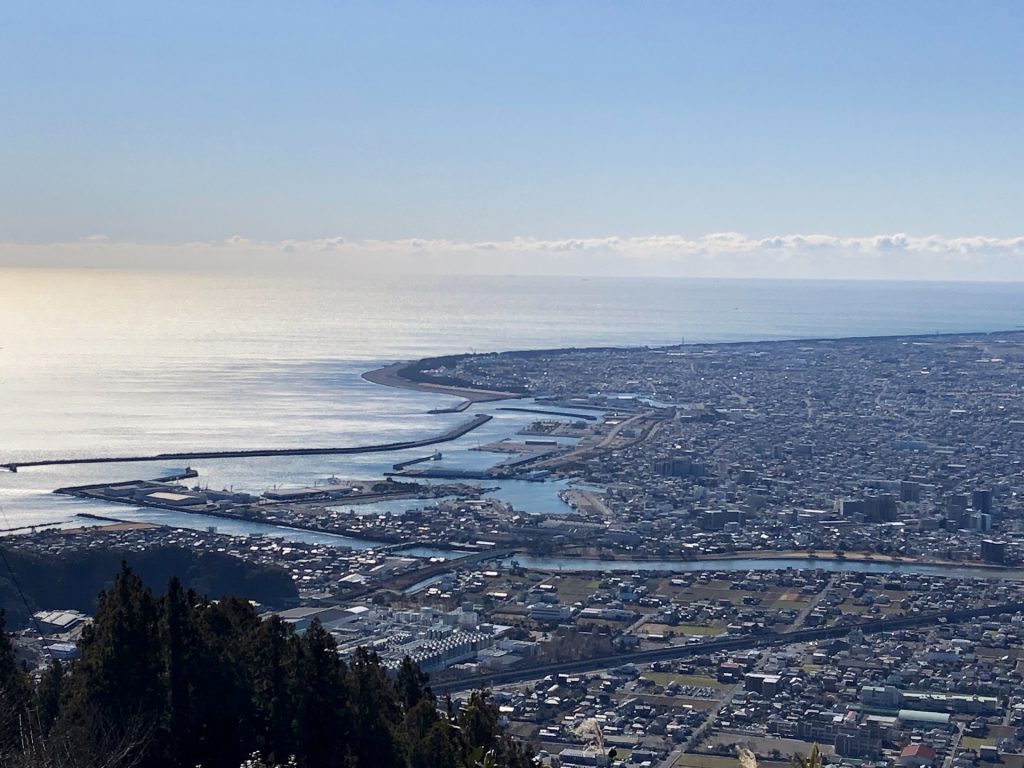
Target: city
[{"x": 766, "y": 545}]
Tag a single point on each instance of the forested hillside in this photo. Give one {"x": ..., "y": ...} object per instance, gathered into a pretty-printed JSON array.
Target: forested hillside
[
  {"x": 74, "y": 578},
  {"x": 179, "y": 681}
]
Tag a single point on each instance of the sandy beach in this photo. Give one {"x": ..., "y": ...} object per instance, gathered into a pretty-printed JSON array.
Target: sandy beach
[{"x": 391, "y": 376}]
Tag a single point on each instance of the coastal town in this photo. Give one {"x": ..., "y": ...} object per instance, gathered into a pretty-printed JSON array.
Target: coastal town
[{"x": 763, "y": 546}]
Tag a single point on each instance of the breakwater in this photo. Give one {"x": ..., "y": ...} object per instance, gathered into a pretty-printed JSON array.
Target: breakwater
[
  {"x": 403, "y": 464},
  {"x": 581, "y": 416},
  {"x": 452, "y": 434}
]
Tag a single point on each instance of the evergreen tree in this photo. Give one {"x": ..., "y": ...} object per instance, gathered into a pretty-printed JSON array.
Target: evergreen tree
[
  {"x": 178, "y": 647},
  {"x": 429, "y": 738},
  {"x": 376, "y": 710},
  {"x": 273, "y": 662},
  {"x": 223, "y": 709},
  {"x": 412, "y": 684},
  {"x": 116, "y": 687},
  {"x": 14, "y": 693},
  {"x": 181, "y": 681},
  {"x": 483, "y": 738},
  {"x": 479, "y": 722},
  {"x": 48, "y": 696},
  {"x": 321, "y": 714}
]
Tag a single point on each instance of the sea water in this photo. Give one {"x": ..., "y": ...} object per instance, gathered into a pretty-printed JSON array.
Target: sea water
[{"x": 96, "y": 363}]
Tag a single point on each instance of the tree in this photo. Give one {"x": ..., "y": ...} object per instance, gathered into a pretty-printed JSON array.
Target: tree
[
  {"x": 321, "y": 714},
  {"x": 813, "y": 760},
  {"x": 484, "y": 742},
  {"x": 116, "y": 686},
  {"x": 14, "y": 693},
  {"x": 428, "y": 737},
  {"x": 272, "y": 658},
  {"x": 376, "y": 710},
  {"x": 48, "y": 695},
  {"x": 438, "y": 749},
  {"x": 180, "y": 681},
  {"x": 412, "y": 684},
  {"x": 178, "y": 647},
  {"x": 222, "y": 709}
]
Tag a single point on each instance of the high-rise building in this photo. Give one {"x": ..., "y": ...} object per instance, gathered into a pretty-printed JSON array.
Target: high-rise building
[
  {"x": 981, "y": 501},
  {"x": 993, "y": 551}
]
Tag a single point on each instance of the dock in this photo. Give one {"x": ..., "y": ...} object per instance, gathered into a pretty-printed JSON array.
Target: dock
[
  {"x": 546, "y": 412},
  {"x": 435, "y": 456}
]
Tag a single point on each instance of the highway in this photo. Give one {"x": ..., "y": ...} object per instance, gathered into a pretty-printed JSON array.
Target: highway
[{"x": 727, "y": 644}]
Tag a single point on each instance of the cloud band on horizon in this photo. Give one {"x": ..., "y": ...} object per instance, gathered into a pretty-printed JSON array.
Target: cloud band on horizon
[{"x": 723, "y": 254}]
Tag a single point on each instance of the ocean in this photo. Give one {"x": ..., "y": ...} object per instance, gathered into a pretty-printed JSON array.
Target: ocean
[{"x": 116, "y": 363}]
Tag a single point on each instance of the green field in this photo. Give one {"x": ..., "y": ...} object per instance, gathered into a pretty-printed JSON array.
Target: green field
[
  {"x": 664, "y": 678},
  {"x": 782, "y": 605},
  {"x": 974, "y": 742},
  {"x": 697, "y": 629}
]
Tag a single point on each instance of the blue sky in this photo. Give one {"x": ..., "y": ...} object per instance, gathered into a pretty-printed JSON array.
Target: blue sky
[{"x": 461, "y": 122}]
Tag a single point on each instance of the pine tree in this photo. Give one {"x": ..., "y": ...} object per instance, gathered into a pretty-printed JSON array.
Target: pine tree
[
  {"x": 273, "y": 660},
  {"x": 321, "y": 714},
  {"x": 178, "y": 650},
  {"x": 375, "y": 713},
  {"x": 116, "y": 687},
  {"x": 48, "y": 696},
  {"x": 482, "y": 737},
  {"x": 181, "y": 681},
  {"x": 14, "y": 693},
  {"x": 223, "y": 709},
  {"x": 429, "y": 737},
  {"x": 412, "y": 684}
]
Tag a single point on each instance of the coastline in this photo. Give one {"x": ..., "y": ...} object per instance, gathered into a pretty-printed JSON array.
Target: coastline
[{"x": 391, "y": 376}]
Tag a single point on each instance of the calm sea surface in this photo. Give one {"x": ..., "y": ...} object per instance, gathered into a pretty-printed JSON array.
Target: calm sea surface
[{"x": 101, "y": 363}]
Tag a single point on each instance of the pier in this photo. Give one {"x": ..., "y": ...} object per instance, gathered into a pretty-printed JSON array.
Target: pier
[
  {"x": 452, "y": 434},
  {"x": 436, "y": 456},
  {"x": 546, "y": 412}
]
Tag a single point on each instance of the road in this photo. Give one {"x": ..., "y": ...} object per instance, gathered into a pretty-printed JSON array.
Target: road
[
  {"x": 813, "y": 603},
  {"x": 648, "y": 430},
  {"x": 726, "y": 644}
]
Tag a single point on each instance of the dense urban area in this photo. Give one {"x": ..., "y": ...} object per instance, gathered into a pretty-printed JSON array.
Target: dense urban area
[{"x": 764, "y": 545}]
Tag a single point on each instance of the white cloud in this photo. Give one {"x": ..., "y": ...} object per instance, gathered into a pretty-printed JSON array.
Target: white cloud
[{"x": 718, "y": 254}]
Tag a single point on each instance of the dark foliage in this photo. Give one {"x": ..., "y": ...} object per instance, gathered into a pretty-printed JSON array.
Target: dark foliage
[
  {"x": 74, "y": 579},
  {"x": 179, "y": 681}
]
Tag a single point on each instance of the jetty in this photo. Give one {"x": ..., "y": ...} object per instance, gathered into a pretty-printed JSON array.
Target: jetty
[
  {"x": 451, "y": 434},
  {"x": 435, "y": 456},
  {"x": 580, "y": 416}
]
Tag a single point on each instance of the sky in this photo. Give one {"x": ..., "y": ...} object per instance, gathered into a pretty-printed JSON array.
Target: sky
[{"x": 805, "y": 139}]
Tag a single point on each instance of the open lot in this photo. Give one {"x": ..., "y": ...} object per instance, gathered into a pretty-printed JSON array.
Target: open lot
[{"x": 699, "y": 681}]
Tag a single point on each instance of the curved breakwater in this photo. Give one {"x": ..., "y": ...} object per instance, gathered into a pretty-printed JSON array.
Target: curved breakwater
[{"x": 452, "y": 434}]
